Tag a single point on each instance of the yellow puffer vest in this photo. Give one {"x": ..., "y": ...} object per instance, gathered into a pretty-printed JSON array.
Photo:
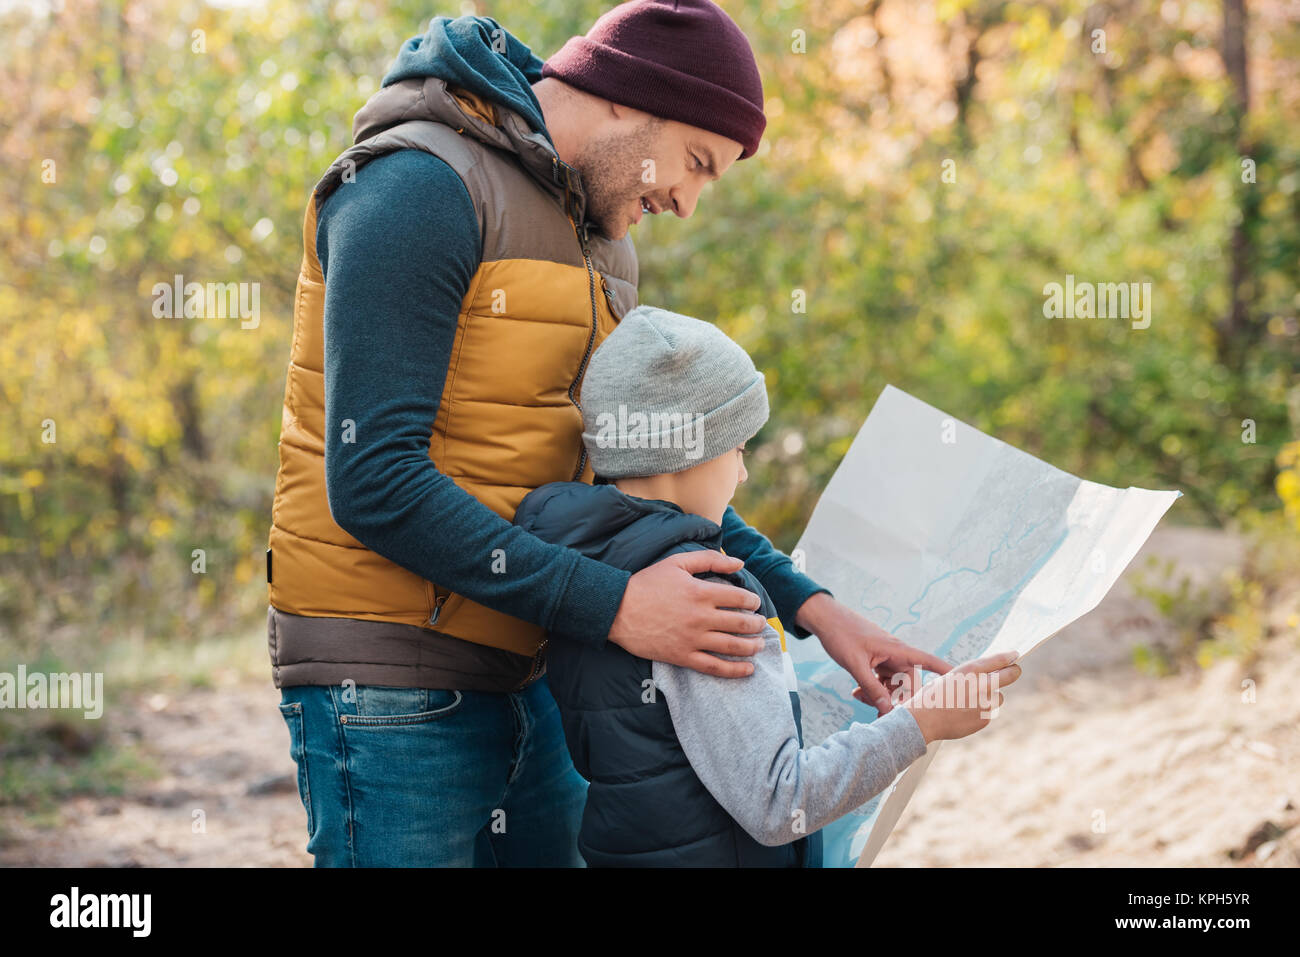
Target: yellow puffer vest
[{"x": 545, "y": 295}]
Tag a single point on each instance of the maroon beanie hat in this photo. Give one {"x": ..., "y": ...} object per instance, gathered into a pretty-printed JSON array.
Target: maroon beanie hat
[{"x": 682, "y": 60}]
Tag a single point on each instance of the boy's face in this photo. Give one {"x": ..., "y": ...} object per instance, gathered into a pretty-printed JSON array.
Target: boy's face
[{"x": 706, "y": 489}]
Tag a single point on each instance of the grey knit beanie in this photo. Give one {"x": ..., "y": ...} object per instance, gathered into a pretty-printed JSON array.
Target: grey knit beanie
[{"x": 665, "y": 392}]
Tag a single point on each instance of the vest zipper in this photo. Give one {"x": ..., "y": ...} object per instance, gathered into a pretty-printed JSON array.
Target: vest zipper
[
  {"x": 437, "y": 605},
  {"x": 591, "y": 339},
  {"x": 536, "y": 668}
]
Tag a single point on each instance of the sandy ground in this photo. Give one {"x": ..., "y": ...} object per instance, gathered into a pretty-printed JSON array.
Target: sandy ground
[
  {"x": 1090, "y": 764},
  {"x": 1093, "y": 764},
  {"x": 225, "y": 752}
]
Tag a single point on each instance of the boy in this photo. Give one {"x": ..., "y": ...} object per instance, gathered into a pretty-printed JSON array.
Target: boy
[{"x": 686, "y": 769}]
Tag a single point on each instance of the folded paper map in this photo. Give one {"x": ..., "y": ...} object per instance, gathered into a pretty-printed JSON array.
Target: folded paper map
[{"x": 960, "y": 545}]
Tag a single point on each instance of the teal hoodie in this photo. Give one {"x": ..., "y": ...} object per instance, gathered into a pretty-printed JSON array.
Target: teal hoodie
[
  {"x": 398, "y": 249},
  {"x": 475, "y": 54}
]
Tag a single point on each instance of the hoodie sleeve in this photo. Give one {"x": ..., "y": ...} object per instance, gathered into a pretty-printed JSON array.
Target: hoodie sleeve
[
  {"x": 398, "y": 249},
  {"x": 788, "y": 587},
  {"x": 740, "y": 737}
]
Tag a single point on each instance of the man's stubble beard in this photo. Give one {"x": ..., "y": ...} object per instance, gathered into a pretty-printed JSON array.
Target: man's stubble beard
[{"x": 611, "y": 170}]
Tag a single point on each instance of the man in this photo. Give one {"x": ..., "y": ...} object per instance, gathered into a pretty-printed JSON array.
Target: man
[{"x": 462, "y": 261}]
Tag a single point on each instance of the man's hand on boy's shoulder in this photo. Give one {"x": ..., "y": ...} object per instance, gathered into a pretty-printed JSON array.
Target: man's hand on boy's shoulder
[
  {"x": 876, "y": 659},
  {"x": 669, "y": 615}
]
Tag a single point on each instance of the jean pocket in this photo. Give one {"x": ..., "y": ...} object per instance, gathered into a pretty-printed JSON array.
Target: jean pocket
[
  {"x": 396, "y": 707},
  {"x": 292, "y": 713}
]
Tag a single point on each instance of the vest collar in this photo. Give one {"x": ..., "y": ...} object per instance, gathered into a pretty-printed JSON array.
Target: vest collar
[
  {"x": 605, "y": 523},
  {"x": 430, "y": 98}
]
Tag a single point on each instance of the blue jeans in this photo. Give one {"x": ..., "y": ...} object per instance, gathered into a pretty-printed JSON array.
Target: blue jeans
[{"x": 406, "y": 777}]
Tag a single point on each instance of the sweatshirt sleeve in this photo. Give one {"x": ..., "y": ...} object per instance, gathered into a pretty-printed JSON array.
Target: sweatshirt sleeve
[
  {"x": 399, "y": 248},
  {"x": 740, "y": 737},
  {"x": 788, "y": 587}
]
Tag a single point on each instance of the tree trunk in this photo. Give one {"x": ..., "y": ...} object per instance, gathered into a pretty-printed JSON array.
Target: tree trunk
[{"x": 1234, "y": 331}]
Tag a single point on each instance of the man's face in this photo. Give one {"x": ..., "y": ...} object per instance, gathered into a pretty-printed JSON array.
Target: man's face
[{"x": 642, "y": 163}]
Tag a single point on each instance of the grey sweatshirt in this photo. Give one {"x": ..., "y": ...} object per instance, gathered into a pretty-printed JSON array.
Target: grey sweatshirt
[{"x": 739, "y": 735}]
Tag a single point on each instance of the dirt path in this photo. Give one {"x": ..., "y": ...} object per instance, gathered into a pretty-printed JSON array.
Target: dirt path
[
  {"x": 225, "y": 752},
  {"x": 1090, "y": 764}
]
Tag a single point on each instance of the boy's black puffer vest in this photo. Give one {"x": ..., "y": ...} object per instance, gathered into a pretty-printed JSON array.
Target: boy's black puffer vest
[{"x": 645, "y": 806}]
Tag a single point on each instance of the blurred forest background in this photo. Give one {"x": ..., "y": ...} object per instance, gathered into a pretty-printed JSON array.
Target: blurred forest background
[{"x": 928, "y": 168}]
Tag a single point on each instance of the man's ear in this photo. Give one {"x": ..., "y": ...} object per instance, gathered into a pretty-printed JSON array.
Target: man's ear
[{"x": 620, "y": 112}]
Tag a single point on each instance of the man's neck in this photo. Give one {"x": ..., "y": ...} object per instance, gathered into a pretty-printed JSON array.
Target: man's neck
[{"x": 560, "y": 109}]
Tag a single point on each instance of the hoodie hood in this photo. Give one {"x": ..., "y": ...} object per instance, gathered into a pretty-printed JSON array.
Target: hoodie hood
[
  {"x": 476, "y": 55},
  {"x": 611, "y": 526}
]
